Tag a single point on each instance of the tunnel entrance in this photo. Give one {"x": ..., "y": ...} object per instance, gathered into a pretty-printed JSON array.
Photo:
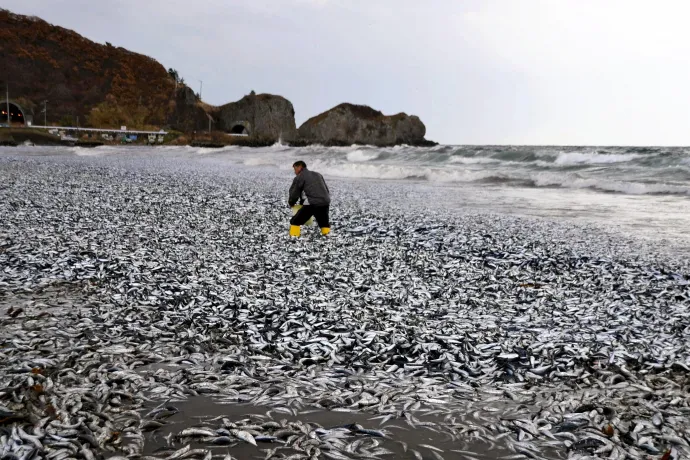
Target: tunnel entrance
[
  {"x": 16, "y": 114},
  {"x": 239, "y": 129}
]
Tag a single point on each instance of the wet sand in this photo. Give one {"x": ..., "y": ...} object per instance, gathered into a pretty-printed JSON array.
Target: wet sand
[
  {"x": 48, "y": 300},
  {"x": 207, "y": 412}
]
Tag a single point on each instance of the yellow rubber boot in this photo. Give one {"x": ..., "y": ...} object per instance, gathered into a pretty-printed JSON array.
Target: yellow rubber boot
[
  {"x": 294, "y": 230},
  {"x": 325, "y": 231}
]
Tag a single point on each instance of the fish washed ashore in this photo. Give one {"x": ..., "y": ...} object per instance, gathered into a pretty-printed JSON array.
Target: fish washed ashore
[{"x": 134, "y": 289}]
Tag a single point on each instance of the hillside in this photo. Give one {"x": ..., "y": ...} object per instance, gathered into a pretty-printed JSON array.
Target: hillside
[{"x": 102, "y": 85}]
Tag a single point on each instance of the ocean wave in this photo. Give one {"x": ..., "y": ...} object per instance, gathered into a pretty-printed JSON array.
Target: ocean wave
[
  {"x": 215, "y": 150},
  {"x": 642, "y": 150},
  {"x": 472, "y": 160},
  {"x": 614, "y": 169},
  {"x": 86, "y": 152},
  {"x": 576, "y": 158},
  {"x": 362, "y": 155},
  {"x": 260, "y": 161},
  {"x": 442, "y": 148},
  {"x": 365, "y": 171},
  {"x": 456, "y": 175},
  {"x": 399, "y": 172},
  {"x": 607, "y": 185},
  {"x": 516, "y": 177},
  {"x": 520, "y": 156}
]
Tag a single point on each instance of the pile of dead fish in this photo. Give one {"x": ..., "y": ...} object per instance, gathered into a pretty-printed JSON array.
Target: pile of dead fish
[{"x": 130, "y": 285}]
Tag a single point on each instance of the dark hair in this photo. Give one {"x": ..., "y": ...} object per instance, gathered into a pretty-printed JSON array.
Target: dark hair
[{"x": 299, "y": 163}]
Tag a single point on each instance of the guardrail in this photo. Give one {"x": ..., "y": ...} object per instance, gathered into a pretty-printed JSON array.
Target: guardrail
[{"x": 98, "y": 130}]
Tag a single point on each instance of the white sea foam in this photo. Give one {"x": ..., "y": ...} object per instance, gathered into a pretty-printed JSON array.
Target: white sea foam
[
  {"x": 399, "y": 172},
  {"x": 211, "y": 151},
  {"x": 85, "y": 152},
  {"x": 365, "y": 171},
  {"x": 472, "y": 160},
  {"x": 362, "y": 155},
  {"x": 608, "y": 185},
  {"x": 612, "y": 170},
  {"x": 261, "y": 161},
  {"x": 574, "y": 158},
  {"x": 461, "y": 175},
  {"x": 101, "y": 150}
]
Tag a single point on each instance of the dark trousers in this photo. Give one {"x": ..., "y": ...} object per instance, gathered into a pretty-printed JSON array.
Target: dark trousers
[{"x": 320, "y": 213}]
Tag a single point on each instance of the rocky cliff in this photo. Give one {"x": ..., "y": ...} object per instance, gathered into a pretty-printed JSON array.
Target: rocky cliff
[
  {"x": 264, "y": 117},
  {"x": 261, "y": 115},
  {"x": 94, "y": 83},
  {"x": 104, "y": 86},
  {"x": 348, "y": 124},
  {"x": 97, "y": 85},
  {"x": 187, "y": 113}
]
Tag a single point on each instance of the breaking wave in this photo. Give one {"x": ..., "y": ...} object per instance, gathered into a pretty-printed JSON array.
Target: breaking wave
[
  {"x": 574, "y": 158},
  {"x": 626, "y": 170},
  {"x": 488, "y": 176},
  {"x": 629, "y": 188},
  {"x": 614, "y": 170},
  {"x": 362, "y": 155}
]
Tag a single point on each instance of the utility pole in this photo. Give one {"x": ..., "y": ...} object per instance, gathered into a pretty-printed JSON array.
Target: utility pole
[
  {"x": 200, "y": 88},
  {"x": 45, "y": 112}
]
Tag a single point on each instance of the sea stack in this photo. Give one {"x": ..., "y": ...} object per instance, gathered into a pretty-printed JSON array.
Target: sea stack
[
  {"x": 266, "y": 116},
  {"x": 348, "y": 124}
]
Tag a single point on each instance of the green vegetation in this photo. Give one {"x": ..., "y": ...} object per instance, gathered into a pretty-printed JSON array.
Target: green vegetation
[{"x": 66, "y": 120}]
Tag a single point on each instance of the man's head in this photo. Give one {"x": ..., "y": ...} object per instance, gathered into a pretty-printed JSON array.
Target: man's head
[{"x": 298, "y": 166}]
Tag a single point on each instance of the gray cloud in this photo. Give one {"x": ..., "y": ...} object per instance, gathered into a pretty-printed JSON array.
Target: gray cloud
[{"x": 530, "y": 72}]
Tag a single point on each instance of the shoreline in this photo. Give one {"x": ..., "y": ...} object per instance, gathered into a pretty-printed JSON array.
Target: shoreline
[
  {"x": 624, "y": 216},
  {"x": 18, "y": 136},
  {"x": 39, "y": 137}
]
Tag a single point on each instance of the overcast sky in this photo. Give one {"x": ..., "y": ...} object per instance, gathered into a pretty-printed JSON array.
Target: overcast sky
[{"x": 595, "y": 72}]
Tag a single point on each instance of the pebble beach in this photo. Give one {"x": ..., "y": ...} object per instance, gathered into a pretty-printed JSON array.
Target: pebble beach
[{"x": 155, "y": 307}]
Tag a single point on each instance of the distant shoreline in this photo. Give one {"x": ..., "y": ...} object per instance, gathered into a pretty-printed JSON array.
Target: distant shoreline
[{"x": 13, "y": 137}]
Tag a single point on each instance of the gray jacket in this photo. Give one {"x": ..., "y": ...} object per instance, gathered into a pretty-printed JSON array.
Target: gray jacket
[{"x": 313, "y": 185}]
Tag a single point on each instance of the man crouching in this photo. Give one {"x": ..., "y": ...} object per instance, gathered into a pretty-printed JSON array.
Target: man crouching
[{"x": 318, "y": 196}]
